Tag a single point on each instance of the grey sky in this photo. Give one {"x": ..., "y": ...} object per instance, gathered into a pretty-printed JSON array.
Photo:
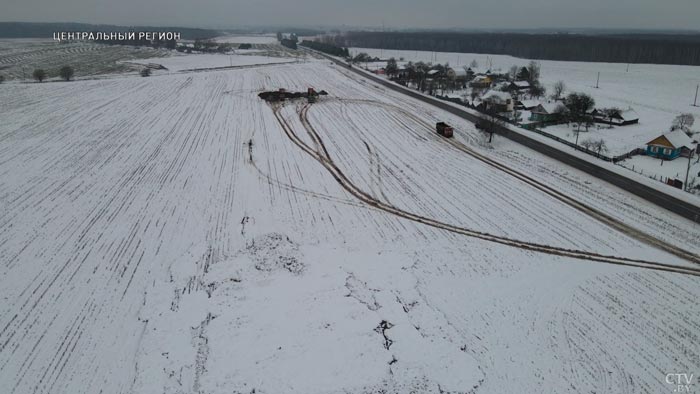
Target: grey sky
[{"x": 640, "y": 14}]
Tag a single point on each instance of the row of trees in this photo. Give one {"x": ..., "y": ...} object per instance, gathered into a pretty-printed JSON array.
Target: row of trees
[
  {"x": 65, "y": 72},
  {"x": 326, "y": 48},
  {"x": 660, "y": 49},
  {"x": 288, "y": 41}
]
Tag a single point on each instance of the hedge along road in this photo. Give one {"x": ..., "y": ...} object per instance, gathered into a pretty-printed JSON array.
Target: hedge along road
[{"x": 657, "y": 197}]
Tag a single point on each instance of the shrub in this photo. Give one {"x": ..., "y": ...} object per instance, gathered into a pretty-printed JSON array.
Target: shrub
[
  {"x": 66, "y": 72},
  {"x": 39, "y": 74}
]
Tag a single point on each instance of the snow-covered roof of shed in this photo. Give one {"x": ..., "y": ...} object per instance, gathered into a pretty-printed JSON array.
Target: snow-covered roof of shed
[
  {"x": 629, "y": 114},
  {"x": 549, "y": 108},
  {"x": 522, "y": 84},
  {"x": 529, "y": 103},
  {"x": 553, "y": 107},
  {"x": 495, "y": 94}
]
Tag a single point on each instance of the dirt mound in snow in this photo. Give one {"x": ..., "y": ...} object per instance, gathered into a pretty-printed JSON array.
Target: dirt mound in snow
[{"x": 275, "y": 251}]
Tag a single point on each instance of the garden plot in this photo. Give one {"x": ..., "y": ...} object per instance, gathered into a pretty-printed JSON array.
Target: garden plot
[{"x": 165, "y": 235}]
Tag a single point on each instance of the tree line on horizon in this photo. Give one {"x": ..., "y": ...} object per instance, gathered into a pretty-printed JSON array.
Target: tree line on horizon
[{"x": 647, "y": 48}]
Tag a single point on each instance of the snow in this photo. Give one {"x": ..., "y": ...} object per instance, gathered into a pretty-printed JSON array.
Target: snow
[
  {"x": 661, "y": 170},
  {"x": 147, "y": 247},
  {"x": 184, "y": 62},
  {"x": 619, "y": 140},
  {"x": 678, "y": 138},
  {"x": 629, "y": 114},
  {"x": 550, "y": 108},
  {"x": 530, "y": 103},
  {"x": 247, "y": 39},
  {"x": 499, "y": 96}
]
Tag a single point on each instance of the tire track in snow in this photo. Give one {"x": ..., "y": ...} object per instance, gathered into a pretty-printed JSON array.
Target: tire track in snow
[{"x": 340, "y": 177}]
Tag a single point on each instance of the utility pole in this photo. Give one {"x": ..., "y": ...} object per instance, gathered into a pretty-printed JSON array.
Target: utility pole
[
  {"x": 597, "y": 82},
  {"x": 695, "y": 103},
  {"x": 687, "y": 171}
]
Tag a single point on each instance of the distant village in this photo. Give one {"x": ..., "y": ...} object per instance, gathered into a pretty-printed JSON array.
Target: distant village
[{"x": 518, "y": 97}]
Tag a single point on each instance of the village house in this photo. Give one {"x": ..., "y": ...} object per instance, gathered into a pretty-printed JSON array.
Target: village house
[
  {"x": 519, "y": 86},
  {"x": 526, "y": 105},
  {"x": 670, "y": 145},
  {"x": 548, "y": 112},
  {"x": 495, "y": 101},
  {"x": 481, "y": 81},
  {"x": 621, "y": 118},
  {"x": 460, "y": 76}
]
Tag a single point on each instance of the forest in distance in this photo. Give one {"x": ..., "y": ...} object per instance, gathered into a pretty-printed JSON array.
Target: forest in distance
[{"x": 679, "y": 49}]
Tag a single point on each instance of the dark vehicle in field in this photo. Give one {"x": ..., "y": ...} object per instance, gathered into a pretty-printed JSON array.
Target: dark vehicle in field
[{"x": 444, "y": 129}]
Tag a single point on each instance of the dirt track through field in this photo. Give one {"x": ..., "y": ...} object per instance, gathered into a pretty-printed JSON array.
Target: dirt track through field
[
  {"x": 321, "y": 155},
  {"x": 578, "y": 205}
]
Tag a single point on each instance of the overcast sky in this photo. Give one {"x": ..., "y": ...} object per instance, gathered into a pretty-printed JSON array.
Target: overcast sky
[{"x": 638, "y": 14}]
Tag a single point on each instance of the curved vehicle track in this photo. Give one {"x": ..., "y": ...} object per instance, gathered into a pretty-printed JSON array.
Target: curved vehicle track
[
  {"x": 659, "y": 198},
  {"x": 321, "y": 155},
  {"x": 576, "y": 204}
]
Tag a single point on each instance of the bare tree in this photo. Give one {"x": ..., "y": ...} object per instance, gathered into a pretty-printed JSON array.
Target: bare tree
[
  {"x": 537, "y": 91},
  {"x": 475, "y": 94},
  {"x": 391, "y": 68},
  {"x": 534, "y": 69},
  {"x": 491, "y": 122},
  {"x": 599, "y": 146},
  {"x": 474, "y": 64},
  {"x": 558, "y": 89},
  {"x": 586, "y": 144},
  {"x": 610, "y": 113},
  {"x": 513, "y": 73},
  {"x": 683, "y": 122},
  {"x": 580, "y": 104}
]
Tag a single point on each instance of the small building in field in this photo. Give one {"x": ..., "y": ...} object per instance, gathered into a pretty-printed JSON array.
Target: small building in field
[
  {"x": 619, "y": 118},
  {"x": 548, "y": 112},
  {"x": 670, "y": 145}
]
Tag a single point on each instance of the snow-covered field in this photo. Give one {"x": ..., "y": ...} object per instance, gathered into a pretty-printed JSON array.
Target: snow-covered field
[
  {"x": 658, "y": 93},
  {"x": 168, "y": 234},
  {"x": 183, "y": 62},
  {"x": 248, "y": 39},
  {"x": 19, "y": 57}
]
